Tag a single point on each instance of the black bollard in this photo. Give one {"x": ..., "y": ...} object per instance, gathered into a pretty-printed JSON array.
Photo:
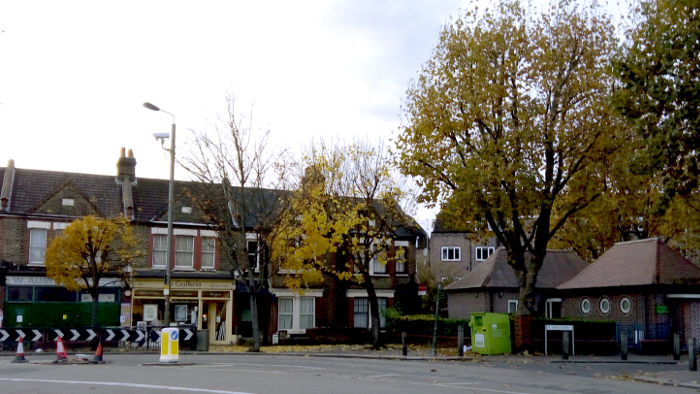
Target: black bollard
[
  {"x": 565, "y": 341},
  {"x": 624, "y": 346},
  {"x": 692, "y": 356},
  {"x": 676, "y": 346},
  {"x": 460, "y": 341},
  {"x": 404, "y": 347}
]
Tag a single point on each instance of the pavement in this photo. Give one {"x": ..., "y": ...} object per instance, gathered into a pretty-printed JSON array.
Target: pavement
[{"x": 653, "y": 369}]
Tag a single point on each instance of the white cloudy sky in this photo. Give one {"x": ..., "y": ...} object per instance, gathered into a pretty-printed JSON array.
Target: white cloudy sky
[{"x": 74, "y": 74}]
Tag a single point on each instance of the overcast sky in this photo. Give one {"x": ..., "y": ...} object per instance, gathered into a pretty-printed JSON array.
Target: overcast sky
[{"x": 74, "y": 74}]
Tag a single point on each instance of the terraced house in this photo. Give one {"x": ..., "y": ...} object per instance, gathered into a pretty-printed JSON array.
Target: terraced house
[{"x": 204, "y": 291}]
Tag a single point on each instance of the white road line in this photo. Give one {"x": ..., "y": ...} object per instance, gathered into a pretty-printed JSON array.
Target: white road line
[
  {"x": 122, "y": 384},
  {"x": 382, "y": 376}
]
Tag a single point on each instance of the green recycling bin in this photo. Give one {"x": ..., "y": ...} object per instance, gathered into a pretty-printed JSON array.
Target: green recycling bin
[{"x": 490, "y": 333}]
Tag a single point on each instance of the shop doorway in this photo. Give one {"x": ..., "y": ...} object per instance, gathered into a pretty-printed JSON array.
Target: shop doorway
[{"x": 214, "y": 320}]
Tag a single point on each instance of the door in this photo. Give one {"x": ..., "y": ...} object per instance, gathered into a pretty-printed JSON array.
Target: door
[{"x": 214, "y": 320}]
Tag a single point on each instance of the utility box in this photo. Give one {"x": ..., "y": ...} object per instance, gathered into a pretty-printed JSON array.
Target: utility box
[
  {"x": 203, "y": 340},
  {"x": 490, "y": 333}
]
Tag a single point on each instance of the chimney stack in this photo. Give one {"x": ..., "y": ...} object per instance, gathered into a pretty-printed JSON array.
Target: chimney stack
[
  {"x": 7, "y": 183},
  {"x": 126, "y": 177}
]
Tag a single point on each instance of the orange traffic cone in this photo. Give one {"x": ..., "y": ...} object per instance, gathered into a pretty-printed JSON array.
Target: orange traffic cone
[
  {"x": 97, "y": 358},
  {"x": 19, "y": 358},
  {"x": 61, "y": 355}
]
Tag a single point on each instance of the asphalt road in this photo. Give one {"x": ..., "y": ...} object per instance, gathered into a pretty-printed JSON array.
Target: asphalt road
[{"x": 281, "y": 374}]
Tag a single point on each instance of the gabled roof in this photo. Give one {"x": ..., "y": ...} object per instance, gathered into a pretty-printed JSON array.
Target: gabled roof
[
  {"x": 31, "y": 187},
  {"x": 636, "y": 263},
  {"x": 558, "y": 267}
]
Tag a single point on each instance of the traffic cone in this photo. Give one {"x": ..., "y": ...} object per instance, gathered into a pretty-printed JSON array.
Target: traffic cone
[
  {"x": 97, "y": 358},
  {"x": 61, "y": 355},
  {"x": 19, "y": 358}
]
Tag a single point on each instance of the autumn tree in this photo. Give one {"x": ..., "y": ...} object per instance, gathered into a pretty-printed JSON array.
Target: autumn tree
[
  {"x": 342, "y": 221},
  {"x": 90, "y": 249},
  {"x": 659, "y": 72},
  {"x": 509, "y": 125},
  {"x": 231, "y": 164},
  {"x": 628, "y": 210}
]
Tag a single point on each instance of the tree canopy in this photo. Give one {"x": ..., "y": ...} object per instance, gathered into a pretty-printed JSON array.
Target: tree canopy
[
  {"x": 341, "y": 221},
  {"x": 659, "y": 68},
  {"x": 509, "y": 125},
  {"x": 89, "y": 249}
]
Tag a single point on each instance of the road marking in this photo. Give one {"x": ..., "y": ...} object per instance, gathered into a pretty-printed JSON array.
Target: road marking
[
  {"x": 382, "y": 376},
  {"x": 122, "y": 384}
]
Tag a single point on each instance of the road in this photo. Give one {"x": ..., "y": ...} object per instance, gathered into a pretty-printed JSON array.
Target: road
[{"x": 282, "y": 374}]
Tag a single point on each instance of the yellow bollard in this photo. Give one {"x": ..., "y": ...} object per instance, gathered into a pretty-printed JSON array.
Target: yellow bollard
[{"x": 169, "y": 350}]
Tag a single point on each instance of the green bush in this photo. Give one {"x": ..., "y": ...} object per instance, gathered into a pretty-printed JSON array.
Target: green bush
[{"x": 424, "y": 325}]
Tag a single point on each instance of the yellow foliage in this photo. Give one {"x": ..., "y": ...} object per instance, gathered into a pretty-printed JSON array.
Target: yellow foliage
[{"x": 88, "y": 248}]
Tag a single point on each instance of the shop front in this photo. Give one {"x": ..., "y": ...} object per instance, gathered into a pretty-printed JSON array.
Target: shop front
[{"x": 206, "y": 303}]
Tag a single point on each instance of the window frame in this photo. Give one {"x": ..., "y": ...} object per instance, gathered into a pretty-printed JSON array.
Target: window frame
[
  {"x": 160, "y": 251},
  {"x": 184, "y": 252},
  {"x": 604, "y": 310},
  {"x": 513, "y": 303},
  {"x": 585, "y": 305},
  {"x": 445, "y": 253},
  {"x": 401, "y": 261},
  {"x": 296, "y": 314},
  {"x": 40, "y": 248},
  {"x": 629, "y": 305},
  {"x": 205, "y": 252},
  {"x": 479, "y": 252}
]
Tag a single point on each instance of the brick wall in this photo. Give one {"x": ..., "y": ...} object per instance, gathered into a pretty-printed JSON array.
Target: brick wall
[{"x": 13, "y": 239}]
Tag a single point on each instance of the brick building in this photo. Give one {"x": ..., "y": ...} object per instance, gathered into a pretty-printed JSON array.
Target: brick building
[
  {"x": 644, "y": 286},
  {"x": 36, "y": 205},
  {"x": 493, "y": 287}
]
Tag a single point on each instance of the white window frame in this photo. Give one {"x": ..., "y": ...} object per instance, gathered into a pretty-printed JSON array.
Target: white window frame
[
  {"x": 549, "y": 306},
  {"x": 163, "y": 251},
  {"x": 383, "y": 305},
  {"x": 296, "y": 313},
  {"x": 604, "y": 309},
  {"x": 512, "y": 306},
  {"x": 210, "y": 254},
  {"x": 456, "y": 253},
  {"x": 188, "y": 250},
  {"x": 629, "y": 305},
  {"x": 255, "y": 254},
  {"x": 479, "y": 252},
  {"x": 585, "y": 306},
  {"x": 38, "y": 227}
]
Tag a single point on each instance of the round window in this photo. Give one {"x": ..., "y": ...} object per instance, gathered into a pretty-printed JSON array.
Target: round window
[
  {"x": 585, "y": 305},
  {"x": 625, "y": 305},
  {"x": 604, "y": 305}
]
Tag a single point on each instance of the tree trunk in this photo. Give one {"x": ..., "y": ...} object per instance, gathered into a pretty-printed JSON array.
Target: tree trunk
[
  {"x": 374, "y": 312},
  {"x": 252, "y": 294}
]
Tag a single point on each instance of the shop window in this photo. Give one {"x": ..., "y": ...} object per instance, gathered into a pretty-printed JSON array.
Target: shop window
[
  {"x": 208, "y": 252},
  {"x": 20, "y": 293},
  {"x": 184, "y": 251},
  {"x": 55, "y": 294}
]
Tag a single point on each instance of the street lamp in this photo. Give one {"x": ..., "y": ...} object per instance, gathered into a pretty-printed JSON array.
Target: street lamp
[{"x": 171, "y": 187}]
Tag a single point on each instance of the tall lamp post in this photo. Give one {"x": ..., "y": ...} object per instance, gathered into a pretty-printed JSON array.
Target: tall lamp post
[{"x": 171, "y": 187}]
